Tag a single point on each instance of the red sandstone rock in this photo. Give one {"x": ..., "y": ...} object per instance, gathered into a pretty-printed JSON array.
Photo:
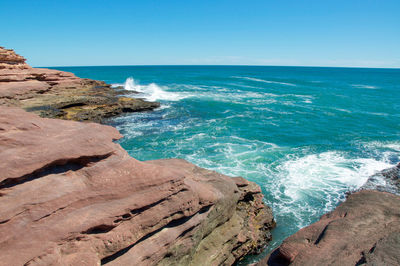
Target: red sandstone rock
[
  {"x": 19, "y": 88},
  {"x": 69, "y": 195},
  {"x": 10, "y": 60},
  {"x": 364, "y": 230}
]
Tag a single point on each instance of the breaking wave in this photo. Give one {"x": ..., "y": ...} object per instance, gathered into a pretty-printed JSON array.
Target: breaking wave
[
  {"x": 316, "y": 183},
  {"x": 150, "y": 92}
]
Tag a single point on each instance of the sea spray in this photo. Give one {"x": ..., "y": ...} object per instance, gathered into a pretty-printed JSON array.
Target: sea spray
[{"x": 150, "y": 92}]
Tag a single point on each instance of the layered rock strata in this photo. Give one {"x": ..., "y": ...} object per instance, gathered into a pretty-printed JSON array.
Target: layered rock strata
[
  {"x": 57, "y": 94},
  {"x": 10, "y": 60},
  {"x": 69, "y": 195},
  {"x": 364, "y": 230}
]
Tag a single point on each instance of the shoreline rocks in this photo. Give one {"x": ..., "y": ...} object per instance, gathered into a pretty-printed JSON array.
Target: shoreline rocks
[
  {"x": 57, "y": 94},
  {"x": 363, "y": 230},
  {"x": 71, "y": 195},
  {"x": 387, "y": 180}
]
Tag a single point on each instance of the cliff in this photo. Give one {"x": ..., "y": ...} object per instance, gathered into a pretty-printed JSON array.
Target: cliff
[
  {"x": 72, "y": 196},
  {"x": 57, "y": 94}
]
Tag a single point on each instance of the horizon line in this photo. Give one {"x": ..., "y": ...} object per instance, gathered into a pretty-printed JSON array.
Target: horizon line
[{"x": 216, "y": 65}]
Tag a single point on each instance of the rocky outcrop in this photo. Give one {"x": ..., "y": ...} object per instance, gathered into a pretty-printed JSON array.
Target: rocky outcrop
[
  {"x": 69, "y": 195},
  {"x": 57, "y": 94},
  {"x": 10, "y": 60},
  {"x": 364, "y": 230}
]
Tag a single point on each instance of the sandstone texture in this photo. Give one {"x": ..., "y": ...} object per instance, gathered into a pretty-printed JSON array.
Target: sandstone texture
[
  {"x": 57, "y": 94},
  {"x": 69, "y": 195},
  {"x": 364, "y": 230}
]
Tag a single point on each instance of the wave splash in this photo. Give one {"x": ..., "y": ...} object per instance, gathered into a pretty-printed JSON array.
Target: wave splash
[
  {"x": 316, "y": 183},
  {"x": 152, "y": 91}
]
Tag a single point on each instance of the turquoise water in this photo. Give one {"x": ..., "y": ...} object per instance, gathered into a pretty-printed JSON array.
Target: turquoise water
[{"x": 305, "y": 135}]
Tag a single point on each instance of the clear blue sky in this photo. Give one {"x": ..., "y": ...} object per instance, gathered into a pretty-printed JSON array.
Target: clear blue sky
[{"x": 271, "y": 32}]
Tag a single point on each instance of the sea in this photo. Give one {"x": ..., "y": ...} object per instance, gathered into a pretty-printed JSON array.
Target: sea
[{"x": 306, "y": 135}]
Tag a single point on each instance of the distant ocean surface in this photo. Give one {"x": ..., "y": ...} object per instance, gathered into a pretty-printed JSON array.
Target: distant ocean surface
[{"x": 306, "y": 135}]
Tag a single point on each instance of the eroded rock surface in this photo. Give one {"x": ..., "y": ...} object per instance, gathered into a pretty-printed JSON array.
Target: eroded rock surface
[
  {"x": 57, "y": 94},
  {"x": 69, "y": 195},
  {"x": 364, "y": 230}
]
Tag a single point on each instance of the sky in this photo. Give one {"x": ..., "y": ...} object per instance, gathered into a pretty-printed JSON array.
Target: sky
[{"x": 359, "y": 33}]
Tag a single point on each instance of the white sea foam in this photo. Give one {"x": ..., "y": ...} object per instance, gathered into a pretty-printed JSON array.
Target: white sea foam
[
  {"x": 362, "y": 86},
  {"x": 152, "y": 91},
  {"x": 302, "y": 186},
  {"x": 389, "y": 151},
  {"x": 164, "y": 106},
  {"x": 265, "y": 81},
  {"x": 263, "y": 109},
  {"x": 394, "y": 146},
  {"x": 197, "y": 137},
  {"x": 242, "y": 85},
  {"x": 305, "y": 182},
  {"x": 233, "y": 96},
  {"x": 374, "y": 113},
  {"x": 214, "y": 93},
  {"x": 342, "y": 110}
]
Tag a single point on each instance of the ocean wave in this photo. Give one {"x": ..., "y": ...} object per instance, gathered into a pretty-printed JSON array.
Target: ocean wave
[
  {"x": 388, "y": 151},
  {"x": 230, "y": 155},
  {"x": 301, "y": 186},
  {"x": 242, "y": 85},
  {"x": 376, "y": 114},
  {"x": 362, "y": 86},
  {"x": 265, "y": 81},
  {"x": 151, "y": 92},
  {"x": 314, "y": 184},
  {"x": 342, "y": 110}
]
